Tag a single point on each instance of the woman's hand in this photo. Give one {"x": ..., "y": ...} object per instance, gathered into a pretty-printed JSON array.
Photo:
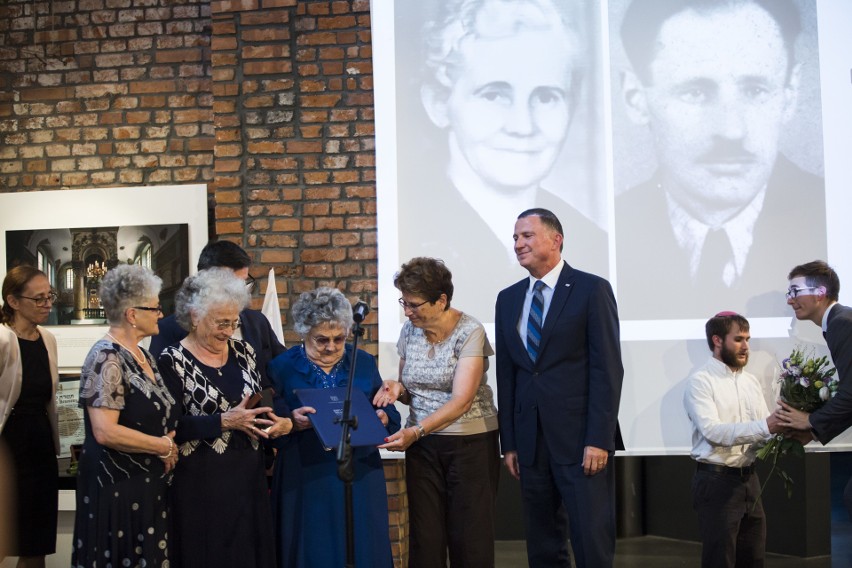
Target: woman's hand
[
  {"x": 300, "y": 418},
  {"x": 383, "y": 417},
  {"x": 170, "y": 455},
  {"x": 280, "y": 426},
  {"x": 400, "y": 441},
  {"x": 388, "y": 393},
  {"x": 246, "y": 420}
]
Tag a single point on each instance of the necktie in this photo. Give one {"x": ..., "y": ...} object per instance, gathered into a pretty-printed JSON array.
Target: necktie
[
  {"x": 715, "y": 256},
  {"x": 535, "y": 321}
]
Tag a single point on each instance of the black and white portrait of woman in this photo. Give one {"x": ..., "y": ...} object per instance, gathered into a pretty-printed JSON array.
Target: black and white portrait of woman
[{"x": 497, "y": 111}]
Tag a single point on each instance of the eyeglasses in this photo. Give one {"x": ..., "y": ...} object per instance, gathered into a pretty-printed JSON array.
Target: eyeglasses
[
  {"x": 158, "y": 308},
  {"x": 794, "y": 292},
  {"x": 42, "y": 301},
  {"x": 409, "y": 306},
  {"x": 222, "y": 325},
  {"x": 323, "y": 341},
  {"x": 249, "y": 282}
]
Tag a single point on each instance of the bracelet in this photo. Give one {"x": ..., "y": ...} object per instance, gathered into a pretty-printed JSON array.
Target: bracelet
[
  {"x": 421, "y": 432},
  {"x": 171, "y": 448}
]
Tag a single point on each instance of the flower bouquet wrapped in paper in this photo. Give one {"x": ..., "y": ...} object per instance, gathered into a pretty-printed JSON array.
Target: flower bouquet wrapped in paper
[{"x": 807, "y": 383}]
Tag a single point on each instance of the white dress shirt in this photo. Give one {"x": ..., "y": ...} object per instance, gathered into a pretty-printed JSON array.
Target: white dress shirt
[
  {"x": 550, "y": 279},
  {"x": 728, "y": 413},
  {"x": 691, "y": 235}
]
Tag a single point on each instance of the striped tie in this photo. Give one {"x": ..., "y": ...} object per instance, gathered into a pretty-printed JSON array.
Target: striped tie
[{"x": 535, "y": 321}]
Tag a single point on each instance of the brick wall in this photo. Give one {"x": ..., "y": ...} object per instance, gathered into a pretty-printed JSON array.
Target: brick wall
[{"x": 268, "y": 101}]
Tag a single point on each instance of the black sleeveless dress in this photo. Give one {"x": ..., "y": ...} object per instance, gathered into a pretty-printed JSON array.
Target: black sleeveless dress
[{"x": 29, "y": 437}]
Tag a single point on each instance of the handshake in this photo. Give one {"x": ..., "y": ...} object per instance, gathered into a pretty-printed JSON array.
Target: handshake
[{"x": 790, "y": 422}]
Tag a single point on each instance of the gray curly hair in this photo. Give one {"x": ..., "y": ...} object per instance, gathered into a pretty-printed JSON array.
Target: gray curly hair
[
  {"x": 209, "y": 288},
  {"x": 125, "y": 286},
  {"x": 463, "y": 21},
  {"x": 323, "y": 305}
]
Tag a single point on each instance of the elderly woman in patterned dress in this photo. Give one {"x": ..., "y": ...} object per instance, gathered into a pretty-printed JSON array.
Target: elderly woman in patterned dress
[
  {"x": 452, "y": 459},
  {"x": 122, "y": 503},
  {"x": 221, "y": 507}
]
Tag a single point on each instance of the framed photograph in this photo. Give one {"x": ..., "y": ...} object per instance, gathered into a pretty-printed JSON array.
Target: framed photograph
[{"x": 76, "y": 236}]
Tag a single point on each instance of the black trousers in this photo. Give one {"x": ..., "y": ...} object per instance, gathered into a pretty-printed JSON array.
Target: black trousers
[
  {"x": 554, "y": 494},
  {"x": 732, "y": 534},
  {"x": 452, "y": 489}
]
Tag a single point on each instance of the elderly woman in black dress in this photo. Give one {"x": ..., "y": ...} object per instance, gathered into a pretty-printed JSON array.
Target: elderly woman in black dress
[
  {"x": 222, "y": 515},
  {"x": 28, "y": 378},
  {"x": 129, "y": 453}
]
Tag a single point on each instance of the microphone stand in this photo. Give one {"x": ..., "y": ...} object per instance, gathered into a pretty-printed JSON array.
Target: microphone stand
[{"x": 345, "y": 466}]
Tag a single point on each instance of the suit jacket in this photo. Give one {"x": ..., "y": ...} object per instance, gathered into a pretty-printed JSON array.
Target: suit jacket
[
  {"x": 255, "y": 329},
  {"x": 836, "y": 416},
  {"x": 452, "y": 230},
  {"x": 654, "y": 281},
  {"x": 11, "y": 375},
  {"x": 574, "y": 388}
]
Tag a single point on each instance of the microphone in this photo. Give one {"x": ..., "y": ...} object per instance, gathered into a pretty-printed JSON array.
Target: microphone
[{"x": 360, "y": 311}]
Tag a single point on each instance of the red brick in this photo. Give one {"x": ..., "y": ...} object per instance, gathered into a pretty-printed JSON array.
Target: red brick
[
  {"x": 267, "y": 67},
  {"x": 265, "y": 18},
  {"x": 276, "y": 256},
  {"x": 178, "y": 56},
  {"x": 298, "y": 147},
  {"x": 139, "y": 87},
  {"x": 264, "y": 34}
]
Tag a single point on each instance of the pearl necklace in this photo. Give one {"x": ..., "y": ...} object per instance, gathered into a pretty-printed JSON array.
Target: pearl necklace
[{"x": 140, "y": 359}]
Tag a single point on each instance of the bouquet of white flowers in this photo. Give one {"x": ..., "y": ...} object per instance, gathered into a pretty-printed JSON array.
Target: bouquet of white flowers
[{"x": 806, "y": 384}]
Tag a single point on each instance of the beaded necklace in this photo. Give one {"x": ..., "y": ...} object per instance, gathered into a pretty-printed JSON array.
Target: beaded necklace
[{"x": 326, "y": 380}]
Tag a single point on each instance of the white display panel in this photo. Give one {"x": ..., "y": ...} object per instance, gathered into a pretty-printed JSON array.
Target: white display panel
[{"x": 607, "y": 151}]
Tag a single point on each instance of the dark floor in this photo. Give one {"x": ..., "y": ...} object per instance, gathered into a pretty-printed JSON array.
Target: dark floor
[{"x": 658, "y": 552}]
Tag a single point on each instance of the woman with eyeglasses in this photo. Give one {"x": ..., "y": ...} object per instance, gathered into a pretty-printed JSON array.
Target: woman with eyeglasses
[
  {"x": 128, "y": 453},
  {"x": 307, "y": 495},
  {"x": 452, "y": 459},
  {"x": 28, "y": 379},
  {"x": 222, "y": 516}
]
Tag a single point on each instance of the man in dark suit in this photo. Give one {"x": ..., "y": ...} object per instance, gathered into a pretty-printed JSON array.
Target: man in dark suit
[
  {"x": 559, "y": 375},
  {"x": 255, "y": 328},
  {"x": 813, "y": 292},
  {"x": 717, "y": 84}
]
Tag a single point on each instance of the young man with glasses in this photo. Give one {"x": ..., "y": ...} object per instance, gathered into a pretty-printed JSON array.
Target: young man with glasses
[
  {"x": 814, "y": 288},
  {"x": 253, "y": 326}
]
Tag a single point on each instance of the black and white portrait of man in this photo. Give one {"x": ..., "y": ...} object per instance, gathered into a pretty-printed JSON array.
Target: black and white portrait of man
[
  {"x": 494, "y": 117},
  {"x": 718, "y": 143}
]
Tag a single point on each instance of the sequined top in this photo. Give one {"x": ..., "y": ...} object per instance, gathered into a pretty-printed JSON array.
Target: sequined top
[{"x": 429, "y": 369}]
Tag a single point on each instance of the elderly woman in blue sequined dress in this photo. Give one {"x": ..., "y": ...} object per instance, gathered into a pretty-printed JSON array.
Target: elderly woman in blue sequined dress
[{"x": 307, "y": 494}]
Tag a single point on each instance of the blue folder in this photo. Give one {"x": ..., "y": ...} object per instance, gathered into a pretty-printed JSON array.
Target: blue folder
[{"x": 329, "y": 406}]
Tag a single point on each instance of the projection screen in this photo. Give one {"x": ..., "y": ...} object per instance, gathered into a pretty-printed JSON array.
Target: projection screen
[{"x": 629, "y": 131}]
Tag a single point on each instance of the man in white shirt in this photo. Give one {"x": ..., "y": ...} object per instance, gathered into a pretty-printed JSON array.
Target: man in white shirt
[{"x": 730, "y": 421}]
